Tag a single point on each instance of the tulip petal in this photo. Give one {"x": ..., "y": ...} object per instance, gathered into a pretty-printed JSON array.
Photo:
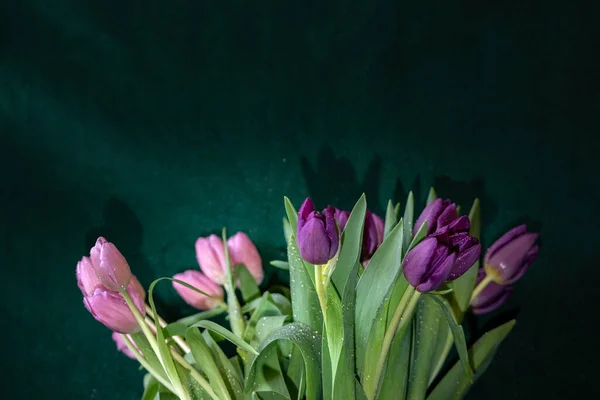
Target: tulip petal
[
  {"x": 121, "y": 346},
  {"x": 87, "y": 280},
  {"x": 341, "y": 217},
  {"x": 490, "y": 298},
  {"x": 305, "y": 210},
  {"x": 417, "y": 261},
  {"x": 243, "y": 251},
  {"x": 503, "y": 240},
  {"x": 116, "y": 273},
  {"x": 210, "y": 254},
  {"x": 461, "y": 224},
  {"x": 438, "y": 275},
  {"x": 331, "y": 230},
  {"x": 201, "y": 282},
  {"x": 135, "y": 287},
  {"x": 529, "y": 258},
  {"x": 465, "y": 260},
  {"x": 447, "y": 216},
  {"x": 508, "y": 260},
  {"x": 110, "y": 309},
  {"x": 430, "y": 214},
  {"x": 314, "y": 242}
]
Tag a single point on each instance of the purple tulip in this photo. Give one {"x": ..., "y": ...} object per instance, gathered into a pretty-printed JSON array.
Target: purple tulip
[
  {"x": 372, "y": 235},
  {"x": 341, "y": 217},
  {"x": 491, "y": 297},
  {"x": 317, "y": 234},
  {"x": 438, "y": 214},
  {"x": 510, "y": 256},
  {"x": 444, "y": 255}
]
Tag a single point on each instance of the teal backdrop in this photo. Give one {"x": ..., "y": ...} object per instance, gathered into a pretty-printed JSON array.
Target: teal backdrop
[{"x": 154, "y": 122}]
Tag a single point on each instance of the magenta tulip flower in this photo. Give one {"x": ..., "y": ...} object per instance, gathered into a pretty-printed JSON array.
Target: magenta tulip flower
[
  {"x": 201, "y": 282},
  {"x": 491, "y": 297},
  {"x": 444, "y": 255},
  {"x": 243, "y": 251},
  {"x": 510, "y": 257},
  {"x": 372, "y": 235},
  {"x": 438, "y": 214},
  {"x": 317, "y": 234},
  {"x": 110, "y": 309},
  {"x": 341, "y": 218},
  {"x": 110, "y": 266}
]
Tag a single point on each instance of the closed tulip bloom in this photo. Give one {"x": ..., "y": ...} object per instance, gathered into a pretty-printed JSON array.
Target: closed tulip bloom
[
  {"x": 87, "y": 280},
  {"x": 491, "y": 297},
  {"x": 110, "y": 308},
  {"x": 442, "y": 256},
  {"x": 317, "y": 233},
  {"x": 372, "y": 235},
  {"x": 510, "y": 256},
  {"x": 121, "y": 346},
  {"x": 243, "y": 251},
  {"x": 438, "y": 214},
  {"x": 341, "y": 217},
  {"x": 201, "y": 282},
  {"x": 210, "y": 254},
  {"x": 110, "y": 265}
]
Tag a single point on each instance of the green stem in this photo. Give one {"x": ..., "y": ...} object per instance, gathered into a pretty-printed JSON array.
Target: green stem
[
  {"x": 145, "y": 364},
  {"x": 403, "y": 313},
  {"x": 321, "y": 290},
  {"x": 194, "y": 373},
  {"x": 482, "y": 285},
  {"x": 236, "y": 318}
]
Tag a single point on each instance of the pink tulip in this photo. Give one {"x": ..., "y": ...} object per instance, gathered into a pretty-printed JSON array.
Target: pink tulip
[
  {"x": 110, "y": 266},
  {"x": 201, "y": 282},
  {"x": 86, "y": 277},
  {"x": 210, "y": 254},
  {"x": 243, "y": 251},
  {"x": 110, "y": 309},
  {"x": 121, "y": 346}
]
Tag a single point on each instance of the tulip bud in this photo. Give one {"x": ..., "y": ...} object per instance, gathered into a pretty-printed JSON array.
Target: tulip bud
[
  {"x": 210, "y": 253},
  {"x": 243, "y": 251},
  {"x": 87, "y": 280},
  {"x": 317, "y": 234},
  {"x": 110, "y": 309},
  {"x": 121, "y": 346},
  {"x": 201, "y": 282},
  {"x": 444, "y": 255},
  {"x": 110, "y": 266},
  {"x": 491, "y": 297},
  {"x": 509, "y": 257},
  {"x": 372, "y": 235},
  {"x": 341, "y": 218},
  {"x": 438, "y": 214}
]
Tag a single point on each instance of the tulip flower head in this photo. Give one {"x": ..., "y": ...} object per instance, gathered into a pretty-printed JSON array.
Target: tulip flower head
[
  {"x": 438, "y": 214},
  {"x": 201, "y": 282},
  {"x": 444, "y": 255},
  {"x": 491, "y": 297},
  {"x": 510, "y": 257},
  {"x": 372, "y": 235},
  {"x": 110, "y": 266},
  {"x": 210, "y": 253},
  {"x": 341, "y": 218},
  {"x": 317, "y": 234},
  {"x": 110, "y": 309}
]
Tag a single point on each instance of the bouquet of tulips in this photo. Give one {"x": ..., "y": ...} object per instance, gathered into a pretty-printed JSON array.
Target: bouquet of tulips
[{"x": 373, "y": 309}]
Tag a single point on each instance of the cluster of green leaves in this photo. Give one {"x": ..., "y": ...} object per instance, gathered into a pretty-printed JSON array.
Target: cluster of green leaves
[{"x": 290, "y": 351}]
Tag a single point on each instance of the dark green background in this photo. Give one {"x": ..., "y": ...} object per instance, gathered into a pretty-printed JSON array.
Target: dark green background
[{"x": 153, "y": 124}]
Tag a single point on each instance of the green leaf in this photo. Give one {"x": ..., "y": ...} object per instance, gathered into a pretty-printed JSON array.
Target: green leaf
[
  {"x": 282, "y": 303},
  {"x": 287, "y": 229},
  {"x": 397, "y": 208},
  {"x": 280, "y": 264},
  {"x": 391, "y": 219},
  {"x": 268, "y": 379},
  {"x": 455, "y": 384},
  {"x": 201, "y": 316},
  {"x": 175, "y": 329},
  {"x": 432, "y": 196},
  {"x": 305, "y": 303},
  {"x": 204, "y": 360},
  {"x": 351, "y": 245},
  {"x": 230, "y": 372},
  {"x": 457, "y": 333},
  {"x": 292, "y": 214},
  {"x": 408, "y": 220},
  {"x": 248, "y": 286},
  {"x": 265, "y": 308},
  {"x": 266, "y": 326},
  {"x": 326, "y": 370},
  {"x": 226, "y": 334},
  {"x": 463, "y": 286},
  {"x": 308, "y": 342},
  {"x": 163, "y": 349},
  {"x": 151, "y": 387},
  {"x": 373, "y": 288},
  {"x": 395, "y": 377},
  {"x": 420, "y": 235}
]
